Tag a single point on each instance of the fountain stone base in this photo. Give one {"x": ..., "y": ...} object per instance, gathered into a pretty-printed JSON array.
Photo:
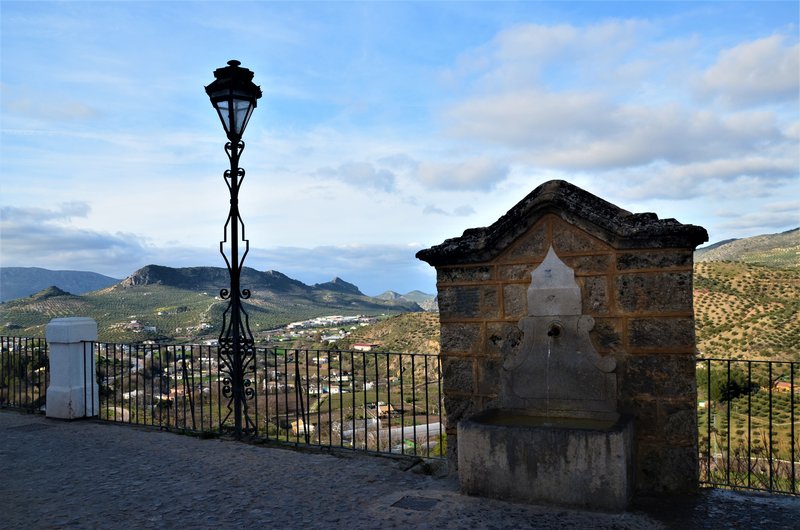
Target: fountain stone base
[{"x": 576, "y": 462}]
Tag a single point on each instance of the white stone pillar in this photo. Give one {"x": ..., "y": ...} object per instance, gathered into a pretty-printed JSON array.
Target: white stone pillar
[{"x": 73, "y": 391}]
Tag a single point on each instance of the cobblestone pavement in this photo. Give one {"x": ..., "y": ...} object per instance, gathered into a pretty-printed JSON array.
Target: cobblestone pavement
[{"x": 87, "y": 474}]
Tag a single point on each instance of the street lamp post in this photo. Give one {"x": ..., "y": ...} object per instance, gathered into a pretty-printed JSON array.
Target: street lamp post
[{"x": 234, "y": 95}]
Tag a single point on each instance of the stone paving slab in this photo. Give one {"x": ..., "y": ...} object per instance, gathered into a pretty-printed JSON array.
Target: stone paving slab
[{"x": 89, "y": 474}]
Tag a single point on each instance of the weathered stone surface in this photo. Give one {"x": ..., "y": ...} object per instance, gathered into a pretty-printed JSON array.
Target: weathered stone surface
[
  {"x": 679, "y": 421},
  {"x": 593, "y": 264},
  {"x": 661, "y": 375},
  {"x": 460, "y": 338},
  {"x": 458, "y": 407},
  {"x": 458, "y": 374},
  {"x": 502, "y": 339},
  {"x": 514, "y": 272},
  {"x": 490, "y": 302},
  {"x": 458, "y": 302},
  {"x": 571, "y": 240},
  {"x": 464, "y": 274},
  {"x": 655, "y": 292},
  {"x": 654, "y": 260},
  {"x": 581, "y": 467},
  {"x": 606, "y": 335},
  {"x": 668, "y": 333},
  {"x": 663, "y": 468},
  {"x": 595, "y": 294},
  {"x": 515, "y": 303},
  {"x": 532, "y": 245},
  {"x": 488, "y": 376},
  {"x": 644, "y": 411}
]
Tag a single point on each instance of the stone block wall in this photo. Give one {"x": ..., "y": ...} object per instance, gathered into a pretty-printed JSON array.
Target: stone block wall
[{"x": 639, "y": 293}]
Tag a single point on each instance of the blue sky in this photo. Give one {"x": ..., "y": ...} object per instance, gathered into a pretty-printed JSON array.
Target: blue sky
[{"x": 384, "y": 128}]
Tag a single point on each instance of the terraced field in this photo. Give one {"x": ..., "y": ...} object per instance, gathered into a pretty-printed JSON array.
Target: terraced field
[{"x": 746, "y": 311}]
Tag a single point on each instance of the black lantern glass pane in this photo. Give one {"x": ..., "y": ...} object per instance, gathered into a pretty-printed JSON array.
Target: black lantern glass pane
[
  {"x": 223, "y": 108},
  {"x": 241, "y": 114}
]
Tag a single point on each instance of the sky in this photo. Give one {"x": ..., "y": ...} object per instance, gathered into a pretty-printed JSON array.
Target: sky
[{"x": 384, "y": 127}]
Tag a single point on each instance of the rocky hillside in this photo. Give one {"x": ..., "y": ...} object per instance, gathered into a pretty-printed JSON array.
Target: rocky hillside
[
  {"x": 410, "y": 332},
  {"x": 776, "y": 250},
  {"x": 424, "y": 300}
]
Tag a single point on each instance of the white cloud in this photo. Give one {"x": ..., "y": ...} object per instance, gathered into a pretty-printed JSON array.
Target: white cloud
[
  {"x": 41, "y": 237},
  {"x": 609, "y": 103},
  {"x": 472, "y": 174},
  {"x": 459, "y": 211},
  {"x": 776, "y": 216},
  {"x": 532, "y": 118},
  {"x": 585, "y": 131},
  {"x": 363, "y": 175},
  {"x": 528, "y": 54},
  {"x": 761, "y": 71},
  {"x": 63, "y": 212},
  {"x": 399, "y": 161}
]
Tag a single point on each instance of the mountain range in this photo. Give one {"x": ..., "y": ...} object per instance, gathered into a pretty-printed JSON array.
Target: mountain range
[
  {"x": 19, "y": 282},
  {"x": 186, "y": 302}
]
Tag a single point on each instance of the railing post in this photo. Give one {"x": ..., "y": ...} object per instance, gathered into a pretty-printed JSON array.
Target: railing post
[{"x": 73, "y": 391}]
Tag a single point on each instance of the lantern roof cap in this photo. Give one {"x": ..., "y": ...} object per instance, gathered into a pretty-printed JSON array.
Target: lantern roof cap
[{"x": 234, "y": 76}]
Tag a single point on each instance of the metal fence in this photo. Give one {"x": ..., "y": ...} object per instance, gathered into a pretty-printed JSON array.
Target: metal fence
[
  {"x": 392, "y": 402},
  {"x": 748, "y": 423},
  {"x": 24, "y": 373},
  {"x": 370, "y": 401}
]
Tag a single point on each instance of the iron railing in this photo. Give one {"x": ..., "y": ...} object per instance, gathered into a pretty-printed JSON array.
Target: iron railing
[
  {"x": 392, "y": 402},
  {"x": 749, "y": 425},
  {"x": 24, "y": 373},
  {"x": 370, "y": 401}
]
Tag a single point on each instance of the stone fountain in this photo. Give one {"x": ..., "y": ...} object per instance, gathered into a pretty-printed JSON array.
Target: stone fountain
[
  {"x": 556, "y": 436},
  {"x": 568, "y": 352}
]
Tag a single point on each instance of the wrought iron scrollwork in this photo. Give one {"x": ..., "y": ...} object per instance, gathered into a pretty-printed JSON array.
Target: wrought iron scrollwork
[{"x": 236, "y": 342}]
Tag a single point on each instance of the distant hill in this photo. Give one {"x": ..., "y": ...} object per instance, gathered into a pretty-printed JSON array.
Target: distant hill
[
  {"x": 212, "y": 279},
  {"x": 775, "y": 250},
  {"x": 339, "y": 285},
  {"x": 410, "y": 332},
  {"x": 426, "y": 301},
  {"x": 17, "y": 282},
  {"x": 184, "y": 304}
]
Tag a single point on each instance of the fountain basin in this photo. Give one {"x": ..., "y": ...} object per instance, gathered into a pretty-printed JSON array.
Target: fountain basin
[{"x": 576, "y": 462}]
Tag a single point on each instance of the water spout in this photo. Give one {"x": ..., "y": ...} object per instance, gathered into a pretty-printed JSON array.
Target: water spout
[{"x": 554, "y": 331}]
